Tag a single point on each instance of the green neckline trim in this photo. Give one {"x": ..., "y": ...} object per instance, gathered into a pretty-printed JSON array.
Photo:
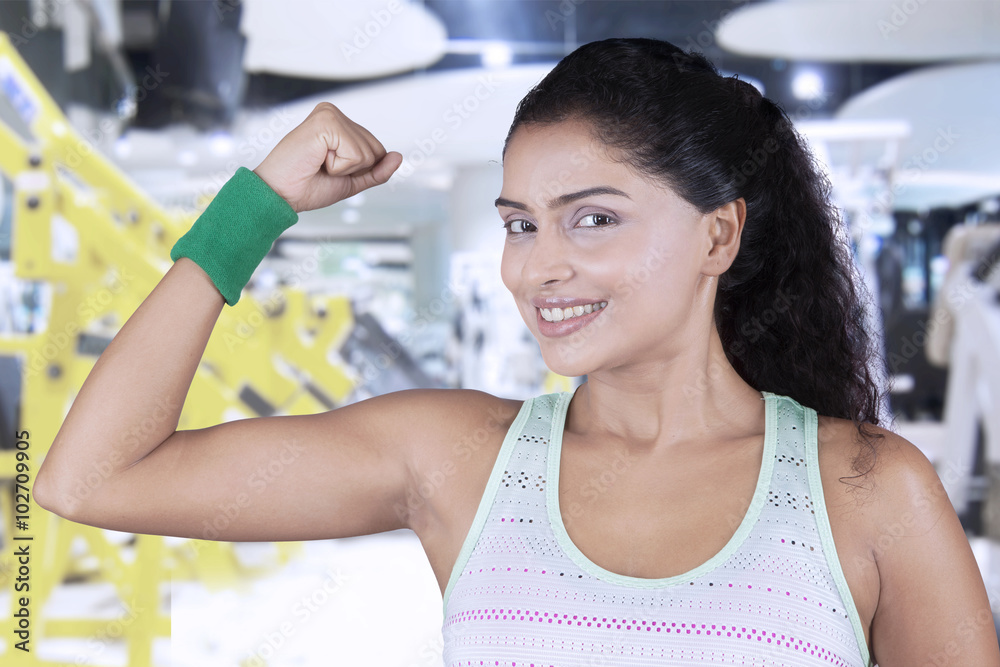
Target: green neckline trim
[
  {"x": 746, "y": 526},
  {"x": 486, "y": 502},
  {"x": 826, "y": 532}
]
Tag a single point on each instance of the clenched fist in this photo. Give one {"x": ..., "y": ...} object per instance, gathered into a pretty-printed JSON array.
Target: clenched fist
[{"x": 327, "y": 158}]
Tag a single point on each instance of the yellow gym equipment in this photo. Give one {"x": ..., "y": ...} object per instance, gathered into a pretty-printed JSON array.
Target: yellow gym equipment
[{"x": 270, "y": 355}]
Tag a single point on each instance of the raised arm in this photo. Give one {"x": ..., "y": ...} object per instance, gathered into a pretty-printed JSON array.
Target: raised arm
[{"x": 118, "y": 461}]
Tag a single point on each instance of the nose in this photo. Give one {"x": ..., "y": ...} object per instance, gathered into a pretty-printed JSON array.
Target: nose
[{"x": 549, "y": 259}]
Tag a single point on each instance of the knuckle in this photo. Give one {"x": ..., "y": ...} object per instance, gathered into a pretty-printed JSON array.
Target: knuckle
[{"x": 327, "y": 113}]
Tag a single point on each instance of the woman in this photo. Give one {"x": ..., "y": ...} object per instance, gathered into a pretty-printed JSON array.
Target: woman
[{"x": 668, "y": 237}]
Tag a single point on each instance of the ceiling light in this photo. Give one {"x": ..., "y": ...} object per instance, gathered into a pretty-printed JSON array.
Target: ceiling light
[
  {"x": 807, "y": 85},
  {"x": 122, "y": 147},
  {"x": 497, "y": 54},
  {"x": 220, "y": 143}
]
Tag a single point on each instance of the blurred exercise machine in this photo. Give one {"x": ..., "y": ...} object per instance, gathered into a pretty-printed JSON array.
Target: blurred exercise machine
[
  {"x": 965, "y": 336},
  {"x": 80, "y": 248}
]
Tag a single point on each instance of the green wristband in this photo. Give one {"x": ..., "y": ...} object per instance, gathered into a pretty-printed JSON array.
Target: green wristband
[{"x": 230, "y": 238}]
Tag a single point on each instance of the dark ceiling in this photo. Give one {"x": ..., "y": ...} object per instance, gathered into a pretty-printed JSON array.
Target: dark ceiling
[{"x": 199, "y": 43}]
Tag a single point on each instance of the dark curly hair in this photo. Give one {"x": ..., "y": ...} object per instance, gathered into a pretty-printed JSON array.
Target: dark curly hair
[{"x": 790, "y": 311}]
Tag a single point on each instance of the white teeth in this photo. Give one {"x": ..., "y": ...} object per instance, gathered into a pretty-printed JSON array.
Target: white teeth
[{"x": 560, "y": 314}]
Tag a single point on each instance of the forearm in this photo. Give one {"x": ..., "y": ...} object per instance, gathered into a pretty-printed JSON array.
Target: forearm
[{"x": 132, "y": 399}]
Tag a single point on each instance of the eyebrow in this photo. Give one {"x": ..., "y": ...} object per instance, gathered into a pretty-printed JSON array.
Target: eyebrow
[{"x": 568, "y": 198}]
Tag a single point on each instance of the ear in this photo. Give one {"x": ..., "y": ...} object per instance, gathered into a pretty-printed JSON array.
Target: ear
[{"x": 725, "y": 226}]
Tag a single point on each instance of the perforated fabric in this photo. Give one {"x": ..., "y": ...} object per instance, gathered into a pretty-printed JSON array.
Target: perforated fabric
[{"x": 521, "y": 593}]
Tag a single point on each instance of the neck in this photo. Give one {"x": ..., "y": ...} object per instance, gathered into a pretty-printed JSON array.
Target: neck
[{"x": 687, "y": 399}]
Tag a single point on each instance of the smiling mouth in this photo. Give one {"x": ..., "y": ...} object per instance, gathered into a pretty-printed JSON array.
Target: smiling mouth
[{"x": 561, "y": 314}]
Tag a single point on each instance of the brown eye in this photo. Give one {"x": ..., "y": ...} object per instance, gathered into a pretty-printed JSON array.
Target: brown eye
[
  {"x": 518, "y": 226},
  {"x": 596, "y": 220}
]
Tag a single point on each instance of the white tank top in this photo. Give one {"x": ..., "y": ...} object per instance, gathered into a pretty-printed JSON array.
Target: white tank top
[{"x": 522, "y": 594}]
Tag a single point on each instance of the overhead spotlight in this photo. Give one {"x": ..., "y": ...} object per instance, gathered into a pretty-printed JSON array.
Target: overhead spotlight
[
  {"x": 807, "y": 85},
  {"x": 122, "y": 147},
  {"x": 220, "y": 143},
  {"x": 496, "y": 55}
]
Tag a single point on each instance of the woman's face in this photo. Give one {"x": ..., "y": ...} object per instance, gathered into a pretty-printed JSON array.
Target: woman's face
[{"x": 605, "y": 265}]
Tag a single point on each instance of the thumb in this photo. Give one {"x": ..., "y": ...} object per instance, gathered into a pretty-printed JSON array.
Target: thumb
[
  {"x": 378, "y": 174},
  {"x": 386, "y": 167}
]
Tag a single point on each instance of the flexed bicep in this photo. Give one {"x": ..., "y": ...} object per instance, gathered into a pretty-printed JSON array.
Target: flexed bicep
[{"x": 340, "y": 473}]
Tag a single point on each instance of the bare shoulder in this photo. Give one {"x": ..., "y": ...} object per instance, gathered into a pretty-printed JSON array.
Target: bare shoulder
[
  {"x": 434, "y": 430},
  {"x": 435, "y": 414},
  {"x": 448, "y": 417},
  {"x": 905, "y": 555},
  {"x": 464, "y": 423},
  {"x": 877, "y": 472},
  {"x": 450, "y": 464},
  {"x": 454, "y": 436}
]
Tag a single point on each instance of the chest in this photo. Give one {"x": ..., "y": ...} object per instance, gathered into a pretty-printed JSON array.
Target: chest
[{"x": 654, "y": 516}]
